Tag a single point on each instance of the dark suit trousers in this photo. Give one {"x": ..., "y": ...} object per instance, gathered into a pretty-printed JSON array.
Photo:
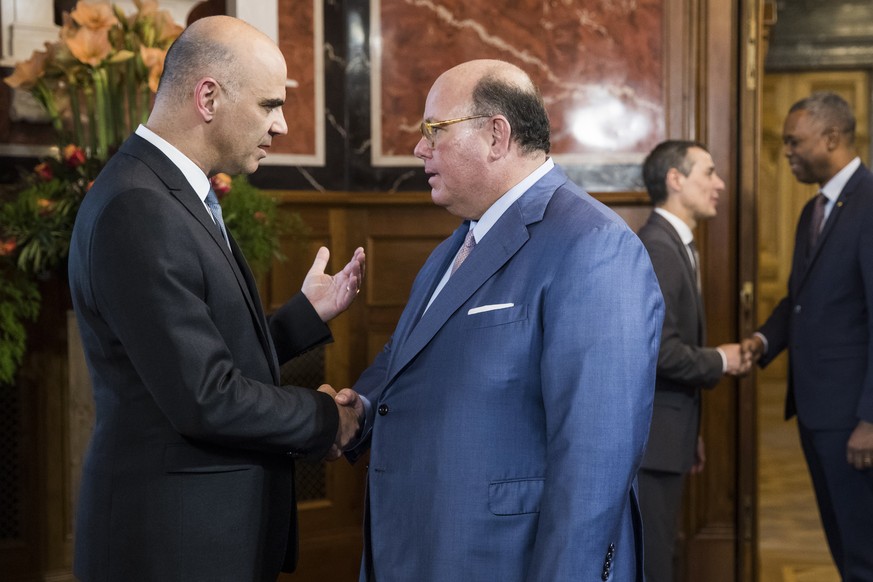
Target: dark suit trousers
[
  {"x": 660, "y": 501},
  {"x": 845, "y": 501}
]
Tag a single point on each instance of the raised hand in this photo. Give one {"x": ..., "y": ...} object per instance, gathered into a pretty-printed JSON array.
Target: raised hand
[{"x": 330, "y": 295}]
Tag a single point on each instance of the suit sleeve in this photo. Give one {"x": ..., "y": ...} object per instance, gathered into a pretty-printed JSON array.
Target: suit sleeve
[
  {"x": 296, "y": 328},
  {"x": 776, "y": 328},
  {"x": 678, "y": 360},
  {"x": 150, "y": 283},
  {"x": 602, "y": 320},
  {"x": 865, "y": 402}
]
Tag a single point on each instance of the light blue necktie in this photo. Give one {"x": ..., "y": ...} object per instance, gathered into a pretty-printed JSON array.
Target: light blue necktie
[{"x": 215, "y": 209}]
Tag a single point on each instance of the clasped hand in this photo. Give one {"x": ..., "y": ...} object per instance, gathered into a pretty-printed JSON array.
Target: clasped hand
[{"x": 351, "y": 418}]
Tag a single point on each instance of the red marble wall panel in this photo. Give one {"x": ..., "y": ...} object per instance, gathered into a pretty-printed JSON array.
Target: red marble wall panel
[
  {"x": 598, "y": 63},
  {"x": 297, "y": 33}
]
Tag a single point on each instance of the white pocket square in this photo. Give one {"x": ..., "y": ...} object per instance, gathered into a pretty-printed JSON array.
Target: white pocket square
[{"x": 485, "y": 308}]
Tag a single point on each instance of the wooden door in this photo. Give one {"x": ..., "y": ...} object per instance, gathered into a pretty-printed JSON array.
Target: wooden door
[{"x": 718, "y": 526}]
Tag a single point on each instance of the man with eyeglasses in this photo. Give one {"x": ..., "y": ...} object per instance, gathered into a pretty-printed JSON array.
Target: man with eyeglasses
[{"x": 507, "y": 416}]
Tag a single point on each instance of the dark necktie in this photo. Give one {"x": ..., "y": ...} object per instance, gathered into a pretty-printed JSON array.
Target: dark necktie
[
  {"x": 817, "y": 218},
  {"x": 215, "y": 209},
  {"x": 695, "y": 264},
  {"x": 466, "y": 248}
]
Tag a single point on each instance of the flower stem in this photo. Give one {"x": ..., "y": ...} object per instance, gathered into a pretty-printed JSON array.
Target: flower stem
[{"x": 104, "y": 125}]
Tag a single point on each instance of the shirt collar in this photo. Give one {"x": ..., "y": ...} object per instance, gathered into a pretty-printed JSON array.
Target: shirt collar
[
  {"x": 192, "y": 172},
  {"x": 496, "y": 210},
  {"x": 682, "y": 229},
  {"x": 835, "y": 185}
]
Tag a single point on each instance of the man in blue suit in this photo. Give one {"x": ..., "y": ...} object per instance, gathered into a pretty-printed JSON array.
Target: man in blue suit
[
  {"x": 508, "y": 413},
  {"x": 825, "y": 322}
]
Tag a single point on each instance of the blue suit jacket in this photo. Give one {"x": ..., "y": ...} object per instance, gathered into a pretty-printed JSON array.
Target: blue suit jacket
[
  {"x": 826, "y": 319},
  {"x": 505, "y": 442}
]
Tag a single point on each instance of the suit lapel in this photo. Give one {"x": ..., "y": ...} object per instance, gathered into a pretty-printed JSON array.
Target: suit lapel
[
  {"x": 431, "y": 274},
  {"x": 504, "y": 239},
  {"x": 499, "y": 245},
  {"x": 179, "y": 187},
  {"x": 682, "y": 249},
  {"x": 844, "y": 202}
]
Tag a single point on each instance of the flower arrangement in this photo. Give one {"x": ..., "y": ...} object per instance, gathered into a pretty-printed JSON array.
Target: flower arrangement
[
  {"x": 253, "y": 219},
  {"x": 96, "y": 85}
]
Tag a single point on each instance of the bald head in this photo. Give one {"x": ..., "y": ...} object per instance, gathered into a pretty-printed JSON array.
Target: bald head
[
  {"x": 216, "y": 46},
  {"x": 499, "y": 88},
  {"x": 221, "y": 95}
]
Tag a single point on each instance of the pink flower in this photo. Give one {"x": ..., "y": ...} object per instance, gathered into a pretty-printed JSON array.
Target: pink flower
[
  {"x": 44, "y": 171},
  {"x": 74, "y": 156},
  {"x": 222, "y": 184}
]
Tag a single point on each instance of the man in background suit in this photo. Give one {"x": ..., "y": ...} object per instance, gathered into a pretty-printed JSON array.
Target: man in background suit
[
  {"x": 509, "y": 410},
  {"x": 190, "y": 471},
  {"x": 825, "y": 322},
  {"x": 684, "y": 187}
]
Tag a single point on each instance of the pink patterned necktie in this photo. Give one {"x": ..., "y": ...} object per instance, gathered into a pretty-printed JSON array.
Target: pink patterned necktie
[
  {"x": 817, "y": 218},
  {"x": 466, "y": 248}
]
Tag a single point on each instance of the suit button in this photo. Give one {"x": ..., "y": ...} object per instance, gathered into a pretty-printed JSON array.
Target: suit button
[
  {"x": 383, "y": 409},
  {"x": 797, "y": 309}
]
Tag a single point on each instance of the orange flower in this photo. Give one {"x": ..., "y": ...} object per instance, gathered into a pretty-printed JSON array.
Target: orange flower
[
  {"x": 89, "y": 46},
  {"x": 44, "y": 171},
  {"x": 153, "y": 59},
  {"x": 73, "y": 155},
  {"x": 7, "y": 247},
  {"x": 167, "y": 27},
  {"x": 260, "y": 216},
  {"x": 28, "y": 72},
  {"x": 45, "y": 206},
  {"x": 146, "y": 8},
  {"x": 221, "y": 183},
  {"x": 94, "y": 16}
]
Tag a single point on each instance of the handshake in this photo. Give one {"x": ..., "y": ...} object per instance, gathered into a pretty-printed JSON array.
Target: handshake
[
  {"x": 351, "y": 418},
  {"x": 741, "y": 356}
]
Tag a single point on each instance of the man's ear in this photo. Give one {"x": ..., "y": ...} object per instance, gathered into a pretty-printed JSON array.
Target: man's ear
[
  {"x": 674, "y": 180},
  {"x": 205, "y": 95},
  {"x": 833, "y": 137},
  {"x": 501, "y": 135}
]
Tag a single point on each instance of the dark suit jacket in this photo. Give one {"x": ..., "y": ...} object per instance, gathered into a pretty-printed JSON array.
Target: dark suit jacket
[
  {"x": 826, "y": 319},
  {"x": 189, "y": 474},
  {"x": 684, "y": 366}
]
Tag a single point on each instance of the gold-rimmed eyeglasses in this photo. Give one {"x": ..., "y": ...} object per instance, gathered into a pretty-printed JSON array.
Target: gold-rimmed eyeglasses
[{"x": 427, "y": 127}]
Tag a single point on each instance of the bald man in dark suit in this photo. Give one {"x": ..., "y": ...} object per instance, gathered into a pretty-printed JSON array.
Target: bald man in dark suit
[{"x": 190, "y": 470}]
